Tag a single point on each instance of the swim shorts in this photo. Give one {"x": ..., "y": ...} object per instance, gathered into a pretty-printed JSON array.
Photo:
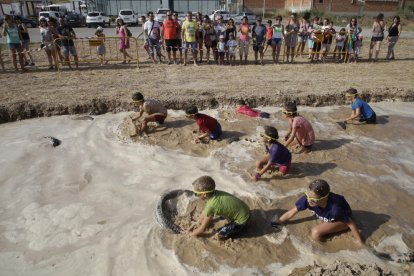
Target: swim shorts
[{"x": 230, "y": 229}]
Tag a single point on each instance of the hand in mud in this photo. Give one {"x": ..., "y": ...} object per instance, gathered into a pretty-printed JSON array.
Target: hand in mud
[
  {"x": 359, "y": 242},
  {"x": 197, "y": 140},
  {"x": 276, "y": 226}
]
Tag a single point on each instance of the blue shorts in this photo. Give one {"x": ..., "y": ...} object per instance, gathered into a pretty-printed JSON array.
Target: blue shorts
[
  {"x": 230, "y": 229},
  {"x": 67, "y": 49},
  {"x": 14, "y": 46},
  {"x": 276, "y": 41},
  {"x": 310, "y": 43},
  {"x": 190, "y": 45},
  {"x": 216, "y": 133}
]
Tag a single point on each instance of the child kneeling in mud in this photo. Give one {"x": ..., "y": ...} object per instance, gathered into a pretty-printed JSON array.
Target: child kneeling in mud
[
  {"x": 277, "y": 155},
  {"x": 332, "y": 209},
  {"x": 300, "y": 130},
  {"x": 209, "y": 128},
  {"x": 219, "y": 203},
  {"x": 243, "y": 108},
  {"x": 155, "y": 111},
  {"x": 361, "y": 111}
]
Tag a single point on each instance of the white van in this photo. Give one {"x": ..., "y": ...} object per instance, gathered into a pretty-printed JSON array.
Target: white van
[
  {"x": 129, "y": 17},
  {"x": 49, "y": 14}
]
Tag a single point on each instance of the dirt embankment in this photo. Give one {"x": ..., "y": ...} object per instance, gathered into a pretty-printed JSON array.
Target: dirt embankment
[{"x": 97, "y": 90}]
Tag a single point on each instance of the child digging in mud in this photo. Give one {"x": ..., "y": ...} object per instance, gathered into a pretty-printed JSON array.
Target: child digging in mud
[
  {"x": 209, "y": 128},
  {"x": 332, "y": 209},
  {"x": 300, "y": 131},
  {"x": 277, "y": 155},
  {"x": 243, "y": 108},
  {"x": 219, "y": 203},
  {"x": 155, "y": 111},
  {"x": 362, "y": 113}
]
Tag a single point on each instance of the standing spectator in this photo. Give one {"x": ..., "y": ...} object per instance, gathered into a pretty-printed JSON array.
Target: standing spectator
[
  {"x": 353, "y": 24},
  {"x": 259, "y": 39},
  {"x": 169, "y": 33},
  {"x": 143, "y": 20},
  {"x": 244, "y": 30},
  {"x": 25, "y": 41},
  {"x": 47, "y": 33},
  {"x": 179, "y": 40},
  {"x": 189, "y": 33},
  {"x": 269, "y": 31},
  {"x": 310, "y": 32},
  {"x": 229, "y": 29},
  {"x": 200, "y": 40},
  {"x": 122, "y": 32},
  {"x": 100, "y": 49},
  {"x": 277, "y": 38},
  {"x": 67, "y": 34},
  {"x": 153, "y": 30},
  {"x": 339, "y": 45},
  {"x": 378, "y": 28},
  {"x": 393, "y": 34},
  {"x": 11, "y": 31},
  {"x": 292, "y": 29},
  {"x": 303, "y": 33},
  {"x": 357, "y": 32},
  {"x": 328, "y": 33},
  {"x": 52, "y": 26},
  {"x": 208, "y": 35},
  {"x": 231, "y": 47},
  {"x": 221, "y": 47}
]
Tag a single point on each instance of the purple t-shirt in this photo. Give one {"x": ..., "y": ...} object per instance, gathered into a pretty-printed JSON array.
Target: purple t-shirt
[
  {"x": 337, "y": 208},
  {"x": 279, "y": 154}
]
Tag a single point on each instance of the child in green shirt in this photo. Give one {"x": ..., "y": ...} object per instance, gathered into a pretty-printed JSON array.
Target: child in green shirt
[{"x": 219, "y": 204}]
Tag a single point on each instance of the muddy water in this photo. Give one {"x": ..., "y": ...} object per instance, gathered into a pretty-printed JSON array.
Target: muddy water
[{"x": 86, "y": 206}]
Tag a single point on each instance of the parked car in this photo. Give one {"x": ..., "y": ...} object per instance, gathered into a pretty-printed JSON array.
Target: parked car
[
  {"x": 49, "y": 14},
  {"x": 97, "y": 19},
  {"x": 161, "y": 14},
  {"x": 250, "y": 16},
  {"x": 224, "y": 14},
  {"x": 129, "y": 16},
  {"x": 75, "y": 20},
  {"x": 29, "y": 22}
]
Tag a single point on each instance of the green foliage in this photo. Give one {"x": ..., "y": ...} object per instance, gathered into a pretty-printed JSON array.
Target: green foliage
[{"x": 407, "y": 13}]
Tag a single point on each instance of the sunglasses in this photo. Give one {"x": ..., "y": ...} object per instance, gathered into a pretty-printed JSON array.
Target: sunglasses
[
  {"x": 315, "y": 200},
  {"x": 198, "y": 194}
]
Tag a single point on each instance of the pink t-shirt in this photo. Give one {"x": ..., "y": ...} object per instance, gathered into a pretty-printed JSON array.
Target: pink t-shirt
[
  {"x": 246, "y": 110},
  {"x": 244, "y": 35},
  {"x": 304, "y": 131}
]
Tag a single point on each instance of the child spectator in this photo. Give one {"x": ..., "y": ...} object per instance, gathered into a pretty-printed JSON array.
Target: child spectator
[
  {"x": 300, "y": 130},
  {"x": 339, "y": 45},
  {"x": 276, "y": 154},
  {"x": 269, "y": 32},
  {"x": 317, "y": 43},
  {"x": 231, "y": 46},
  {"x": 219, "y": 203},
  {"x": 243, "y": 108},
  {"x": 361, "y": 111},
  {"x": 209, "y": 128},
  {"x": 221, "y": 48},
  {"x": 332, "y": 209},
  {"x": 156, "y": 112},
  {"x": 100, "y": 49},
  {"x": 328, "y": 33},
  {"x": 350, "y": 46}
]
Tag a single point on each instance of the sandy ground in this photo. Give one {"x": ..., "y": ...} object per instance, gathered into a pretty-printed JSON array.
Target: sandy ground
[{"x": 96, "y": 90}]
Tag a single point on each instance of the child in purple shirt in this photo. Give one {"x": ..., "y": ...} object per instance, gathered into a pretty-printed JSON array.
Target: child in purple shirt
[
  {"x": 332, "y": 209},
  {"x": 276, "y": 154}
]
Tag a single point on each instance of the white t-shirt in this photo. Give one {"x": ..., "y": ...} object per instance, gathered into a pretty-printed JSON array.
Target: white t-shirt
[
  {"x": 153, "y": 29},
  {"x": 232, "y": 44}
]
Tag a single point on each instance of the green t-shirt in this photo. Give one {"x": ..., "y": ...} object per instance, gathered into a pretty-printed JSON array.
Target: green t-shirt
[{"x": 227, "y": 205}]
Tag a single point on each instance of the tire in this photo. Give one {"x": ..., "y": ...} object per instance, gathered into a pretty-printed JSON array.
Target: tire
[{"x": 161, "y": 210}]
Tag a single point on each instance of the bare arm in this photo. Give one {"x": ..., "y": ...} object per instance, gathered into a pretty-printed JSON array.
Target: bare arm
[
  {"x": 355, "y": 231},
  {"x": 355, "y": 114},
  {"x": 288, "y": 215},
  {"x": 205, "y": 221},
  {"x": 291, "y": 137},
  {"x": 4, "y": 29}
]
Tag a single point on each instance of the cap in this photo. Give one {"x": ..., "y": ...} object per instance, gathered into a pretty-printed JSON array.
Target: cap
[
  {"x": 221, "y": 36},
  {"x": 100, "y": 29}
]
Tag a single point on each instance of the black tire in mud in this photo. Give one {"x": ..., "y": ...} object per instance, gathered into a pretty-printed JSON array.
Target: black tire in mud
[{"x": 164, "y": 214}]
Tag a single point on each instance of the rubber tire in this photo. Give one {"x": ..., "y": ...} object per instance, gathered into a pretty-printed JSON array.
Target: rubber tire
[{"x": 160, "y": 210}]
